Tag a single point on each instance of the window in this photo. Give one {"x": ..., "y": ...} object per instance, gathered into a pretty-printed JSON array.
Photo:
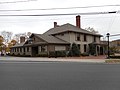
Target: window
[
  {"x": 27, "y": 49},
  {"x": 94, "y": 38},
  {"x": 85, "y": 47},
  {"x": 85, "y": 37},
  {"x": 79, "y": 46},
  {"x": 42, "y": 48},
  {"x": 30, "y": 40},
  {"x": 13, "y": 49},
  {"x": 23, "y": 49},
  {"x": 77, "y": 37},
  {"x": 17, "y": 49},
  {"x": 20, "y": 49}
]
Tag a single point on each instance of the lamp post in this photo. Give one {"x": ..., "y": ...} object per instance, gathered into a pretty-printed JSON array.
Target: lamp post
[{"x": 108, "y": 35}]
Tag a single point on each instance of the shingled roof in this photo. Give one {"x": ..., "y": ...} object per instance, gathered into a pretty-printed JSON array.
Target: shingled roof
[
  {"x": 51, "y": 39},
  {"x": 68, "y": 28},
  {"x": 19, "y": 44},
  {"x": 46, "y": 38}
]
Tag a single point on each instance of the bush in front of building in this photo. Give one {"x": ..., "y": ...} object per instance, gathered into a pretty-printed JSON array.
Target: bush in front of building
[
  {"x": 43, "y": 54},
  {"x": 84, "y": 54},
  {"x": 115, "y": 57},
  {"x": 57, "y": 54},
  {"x": 112, "y": 61},
  {"x": 60, "y": 53},
  {"x": 74, "y": 51},
  {"x": 22, "y": 55},
  {"x": 52, "y": 54}
]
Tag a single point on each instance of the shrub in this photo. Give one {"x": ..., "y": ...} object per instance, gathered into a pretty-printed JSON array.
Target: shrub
[
  {"x": 117, "y": 57},
  {"x": 52, "y": 54},
  {"x": 74, "y": 51},
  {"x": 57, "y": 53},
  {"x": 60, "y": 53},
  {"x": 84, "y": 54},
  {"x": 92, "y": 49},
  {"x": 43, "y": 54},
  {"x": 112, "y": 61},
  {"x": 18, "y": 55},
  {"x": 12, "y": 54}
]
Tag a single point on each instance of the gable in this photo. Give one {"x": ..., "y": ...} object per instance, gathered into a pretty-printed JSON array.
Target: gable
[
  {"x": 40, "y": 38},
  {"x": 35, "y": 38}
]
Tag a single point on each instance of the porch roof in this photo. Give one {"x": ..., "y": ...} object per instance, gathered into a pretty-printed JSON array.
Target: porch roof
[
  {"x": 95, "y": 43},
  {"x": 19, "y": 44}
]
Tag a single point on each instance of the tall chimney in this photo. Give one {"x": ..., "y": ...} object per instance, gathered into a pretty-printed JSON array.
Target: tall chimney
[
  {"x": 22, "y": 39},
  {"x": 55, "y": 24},
  {"x": 78, "y": 22}
]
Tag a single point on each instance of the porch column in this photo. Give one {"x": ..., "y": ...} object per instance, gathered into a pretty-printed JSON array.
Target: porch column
[{"x": 97, "y": 50}]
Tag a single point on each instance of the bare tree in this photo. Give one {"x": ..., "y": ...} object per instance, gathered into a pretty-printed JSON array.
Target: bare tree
[
  {"x": 28, "y": 34},
  {"x": 7, "y": 36},
  {"x": 17, "y": 36},
  {"x": 91, "y": 30}
]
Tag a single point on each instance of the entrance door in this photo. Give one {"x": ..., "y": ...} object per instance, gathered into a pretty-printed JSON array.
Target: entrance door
[
  {"x": 35, "y": 51},
  {"x": 101, "y": 51}
]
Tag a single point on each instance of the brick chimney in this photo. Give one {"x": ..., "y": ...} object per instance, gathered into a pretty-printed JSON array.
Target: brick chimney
[
  {"x": 22, "y": 39},
  {"x": 55, "y": 24},
  {"x": 78, "y": 22}
]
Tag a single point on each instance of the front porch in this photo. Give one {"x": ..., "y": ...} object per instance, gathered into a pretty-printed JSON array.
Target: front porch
[{"x": 97, "y": 49}]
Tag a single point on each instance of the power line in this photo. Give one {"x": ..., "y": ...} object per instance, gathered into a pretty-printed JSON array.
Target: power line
[
  {"x": 115, "y": 35},
  {"x": 60, "y": 8},
  {"x": 89, "y": 13},
  {"x": 16, "y": 1}
]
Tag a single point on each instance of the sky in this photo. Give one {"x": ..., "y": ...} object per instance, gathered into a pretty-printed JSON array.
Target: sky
[{"x": 103, "y": 23}]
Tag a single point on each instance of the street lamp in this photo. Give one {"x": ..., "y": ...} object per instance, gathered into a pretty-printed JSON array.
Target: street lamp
[{"x": 108, "y": 35}]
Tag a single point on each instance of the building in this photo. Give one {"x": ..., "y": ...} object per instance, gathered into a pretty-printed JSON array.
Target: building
[
  {"x": 115, "y": 45},
  {"x": 59, "y": 38}
]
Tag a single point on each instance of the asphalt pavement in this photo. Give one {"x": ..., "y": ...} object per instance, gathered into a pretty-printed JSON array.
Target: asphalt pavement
[{"x": 59, "y": 76}]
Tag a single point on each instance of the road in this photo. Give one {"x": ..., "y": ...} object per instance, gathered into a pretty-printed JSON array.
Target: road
[{"x": 59, "y": 76}]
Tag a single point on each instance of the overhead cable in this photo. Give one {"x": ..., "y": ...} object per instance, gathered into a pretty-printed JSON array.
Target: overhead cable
[
  {"x": 16, "y": 1},
  {"x": 66, "y": 14},
  {"x": 61, "y": 8}
]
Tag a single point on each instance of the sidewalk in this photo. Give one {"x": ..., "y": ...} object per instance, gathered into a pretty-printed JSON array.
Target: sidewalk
[{"x": 40, "y": 59}]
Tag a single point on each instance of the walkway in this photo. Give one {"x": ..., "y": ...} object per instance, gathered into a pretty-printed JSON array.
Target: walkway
[{"x": 100, "y": 59}]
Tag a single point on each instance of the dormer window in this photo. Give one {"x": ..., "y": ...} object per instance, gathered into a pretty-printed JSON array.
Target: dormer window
[{"x": 30, "y": 41}]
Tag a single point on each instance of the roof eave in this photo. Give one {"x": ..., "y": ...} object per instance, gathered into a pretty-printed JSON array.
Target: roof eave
[{"x": 77, "y": 32}]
